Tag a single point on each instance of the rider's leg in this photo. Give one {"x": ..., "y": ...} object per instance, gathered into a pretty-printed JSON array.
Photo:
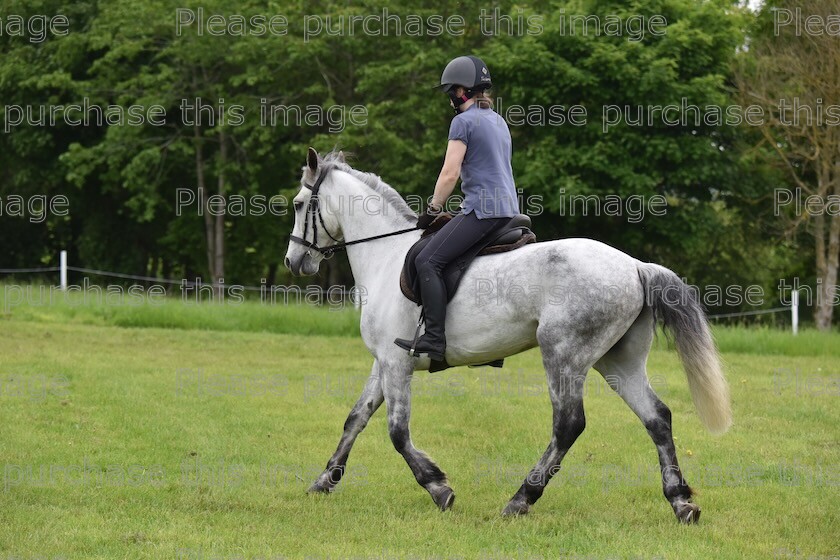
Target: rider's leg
[{"x": 453, "y": 240}]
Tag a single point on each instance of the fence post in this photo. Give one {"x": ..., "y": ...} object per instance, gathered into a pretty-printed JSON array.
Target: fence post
[
  {"x": 63, "y": 270},
  {"x": 794, "y": 310}
]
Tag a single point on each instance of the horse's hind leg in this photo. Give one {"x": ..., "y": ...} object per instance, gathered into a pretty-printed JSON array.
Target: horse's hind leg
[
  {"x": 623, "y": 367},
  {"x": 358, "y": 418},
  {"x": 566, "y": 370},
  {"x": 396, "y": 383}
]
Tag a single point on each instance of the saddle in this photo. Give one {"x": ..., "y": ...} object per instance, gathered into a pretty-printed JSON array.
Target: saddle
[{"x": 513, "y": 235}]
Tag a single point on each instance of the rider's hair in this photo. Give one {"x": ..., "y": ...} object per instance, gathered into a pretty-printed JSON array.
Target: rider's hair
[{"x": 483, "y": 99}]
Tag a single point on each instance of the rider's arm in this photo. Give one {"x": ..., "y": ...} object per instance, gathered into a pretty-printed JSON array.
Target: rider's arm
[{"x": 450, "y": 173}]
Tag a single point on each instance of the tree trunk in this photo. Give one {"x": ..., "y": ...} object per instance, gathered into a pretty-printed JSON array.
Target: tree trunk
[
  {"x": 830, "y": 281},
  {"x": 219, "y": 226},
  {"x": 828, "y": 253},
  {"x": 201, "y": 185},
  {"x": 272, "y": 273}
]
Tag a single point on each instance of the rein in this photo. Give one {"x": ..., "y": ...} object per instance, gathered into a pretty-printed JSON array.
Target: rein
[{"x": 313, "y": 210}]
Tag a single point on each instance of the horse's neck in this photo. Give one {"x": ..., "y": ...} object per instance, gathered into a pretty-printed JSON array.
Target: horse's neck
[
  {"x": 372, "y": 260},
  {"x": 378, "y": 261}
]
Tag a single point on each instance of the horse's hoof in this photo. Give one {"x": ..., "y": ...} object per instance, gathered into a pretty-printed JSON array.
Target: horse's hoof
[
  {"x": 318, "y": 488},
  {"x": 516, "y": 507},
  {"x": 687, "y": 513},
  {"x": 444, "y": 497}
]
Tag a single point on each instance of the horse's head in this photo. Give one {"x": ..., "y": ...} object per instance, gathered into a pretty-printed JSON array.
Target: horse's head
[{"x": 315, "y": 228}]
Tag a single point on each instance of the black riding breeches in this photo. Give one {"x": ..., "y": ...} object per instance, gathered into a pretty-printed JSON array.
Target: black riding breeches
[{"x": 453, "y": 240}]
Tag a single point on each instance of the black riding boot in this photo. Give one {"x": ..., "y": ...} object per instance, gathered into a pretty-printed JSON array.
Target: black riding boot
[{"x": 433, "y": 341}]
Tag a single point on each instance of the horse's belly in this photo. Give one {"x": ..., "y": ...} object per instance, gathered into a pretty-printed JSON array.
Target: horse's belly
[{"x": 482, "y": 339}]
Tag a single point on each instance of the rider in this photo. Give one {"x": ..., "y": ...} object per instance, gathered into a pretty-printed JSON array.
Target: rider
[{"x": 479, "y": 152}]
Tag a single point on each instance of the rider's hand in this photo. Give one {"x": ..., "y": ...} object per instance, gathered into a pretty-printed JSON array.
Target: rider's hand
[{"x": 427, "y": 217}]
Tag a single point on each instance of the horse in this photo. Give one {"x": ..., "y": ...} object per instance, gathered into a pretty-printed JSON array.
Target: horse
[{"x": 604, "y": 317}]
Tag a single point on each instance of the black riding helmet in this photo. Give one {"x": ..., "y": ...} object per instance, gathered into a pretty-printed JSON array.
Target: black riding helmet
[{"x": 469, "y": 72}]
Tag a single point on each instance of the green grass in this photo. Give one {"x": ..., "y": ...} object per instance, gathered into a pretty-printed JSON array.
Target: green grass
[
  {"x": 38, "y": 303},
  {"x": 770, "y": 341},
  {"x": 200, "y": 443},
  {"x": 336, "y": 319}
]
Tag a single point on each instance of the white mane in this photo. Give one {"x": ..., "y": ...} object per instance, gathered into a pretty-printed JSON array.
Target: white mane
[{"x": 374, "y": 181}]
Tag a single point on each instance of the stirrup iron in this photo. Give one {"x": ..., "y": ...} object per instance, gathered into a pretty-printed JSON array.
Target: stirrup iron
[{"x": 417, "y": 334}]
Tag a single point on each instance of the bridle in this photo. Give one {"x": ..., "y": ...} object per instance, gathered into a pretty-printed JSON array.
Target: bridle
[{"x": 313, "y": 214}]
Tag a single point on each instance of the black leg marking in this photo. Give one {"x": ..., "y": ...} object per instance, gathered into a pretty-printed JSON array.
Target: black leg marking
[
  {"x": 397, "y": 389},
  {"x": 358, "y": 418}
]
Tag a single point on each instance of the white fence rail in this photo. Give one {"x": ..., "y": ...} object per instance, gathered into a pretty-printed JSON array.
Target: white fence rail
[{"x": 64, "y": 268}]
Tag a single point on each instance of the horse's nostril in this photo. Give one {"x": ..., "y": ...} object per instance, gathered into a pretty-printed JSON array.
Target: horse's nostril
[{"x": 288, "y": 262}]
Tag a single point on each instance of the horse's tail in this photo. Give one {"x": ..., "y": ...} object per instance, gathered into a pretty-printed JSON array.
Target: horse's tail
[{"x": 676, "y": 305}]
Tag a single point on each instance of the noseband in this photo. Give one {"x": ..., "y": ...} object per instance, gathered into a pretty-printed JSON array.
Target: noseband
[{"x": 313, "y": 214}]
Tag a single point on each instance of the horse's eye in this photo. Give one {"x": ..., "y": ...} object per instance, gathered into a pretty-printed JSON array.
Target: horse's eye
[{"x": 298, "y": 206}]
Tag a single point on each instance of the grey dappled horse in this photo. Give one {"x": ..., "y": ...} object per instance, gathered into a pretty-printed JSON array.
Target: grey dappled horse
[{"x": 600, "y": 313}]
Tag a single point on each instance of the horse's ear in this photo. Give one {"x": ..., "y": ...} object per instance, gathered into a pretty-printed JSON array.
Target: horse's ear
[
  {"x": 312, "y": 159},
  {"x": 341, "y": 156}
]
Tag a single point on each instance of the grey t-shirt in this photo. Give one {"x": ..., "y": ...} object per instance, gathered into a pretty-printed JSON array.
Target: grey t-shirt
[{"x": 486, "y": 174}]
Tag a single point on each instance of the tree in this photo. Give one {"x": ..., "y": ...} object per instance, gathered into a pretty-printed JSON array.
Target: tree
[
  {"x": 705, "y": 233},
  {"x": 794, "y": 76},
  {"x": 212, "y": 141}
]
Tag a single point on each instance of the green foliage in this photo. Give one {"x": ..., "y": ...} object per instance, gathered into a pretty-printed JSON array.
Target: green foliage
[{"x": 121, "y": 180}]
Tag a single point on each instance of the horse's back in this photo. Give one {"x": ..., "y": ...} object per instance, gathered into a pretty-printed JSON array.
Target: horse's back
[
  {"x": 570, "y": 284},
  {"x": 522, "y": 283},
  {"x": 571, "y": 263}
]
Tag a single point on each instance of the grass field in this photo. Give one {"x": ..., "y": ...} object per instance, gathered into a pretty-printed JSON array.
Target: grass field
[{"x": 125, "y": 439}]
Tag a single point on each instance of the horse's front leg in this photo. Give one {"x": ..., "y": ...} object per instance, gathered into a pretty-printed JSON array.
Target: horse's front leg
[
  {"x": 396, "y": 384},
  {"x": 356, "y": 421}
]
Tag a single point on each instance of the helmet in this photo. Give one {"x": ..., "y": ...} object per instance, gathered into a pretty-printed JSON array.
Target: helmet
[{"x": 467, "y": 71}]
